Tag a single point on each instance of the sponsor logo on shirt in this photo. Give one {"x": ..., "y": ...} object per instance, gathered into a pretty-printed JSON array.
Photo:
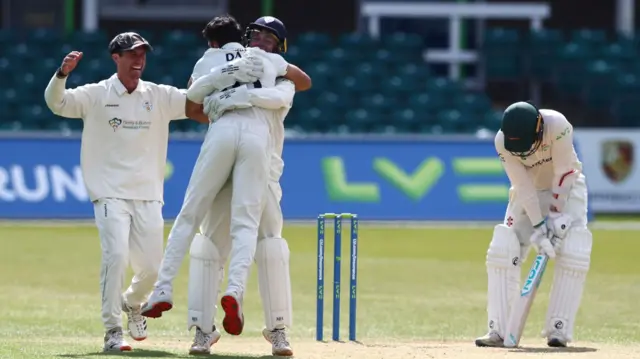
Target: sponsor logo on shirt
[
  {"x": 147, "y": 106},
  {"x": 115, "y": 123},
  {"x": 136, "y": 125},
  {"x": 564, "y": 132},
  {"x": 541, "y": 162}
]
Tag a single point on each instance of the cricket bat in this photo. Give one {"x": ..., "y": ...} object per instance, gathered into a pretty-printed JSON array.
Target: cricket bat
[{"x": 522, "y": 305}]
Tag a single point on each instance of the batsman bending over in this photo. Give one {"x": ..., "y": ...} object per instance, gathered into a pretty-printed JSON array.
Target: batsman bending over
[{"x": 548, "y": 191}]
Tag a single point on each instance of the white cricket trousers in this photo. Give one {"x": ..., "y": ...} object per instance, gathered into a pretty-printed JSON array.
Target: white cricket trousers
[
  {"x": 239, "y": 147},
  {"x": 216, "y": 223},
  {"x": 131, "y": 231}
]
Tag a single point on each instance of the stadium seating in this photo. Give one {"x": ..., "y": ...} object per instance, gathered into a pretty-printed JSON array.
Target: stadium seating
[
  {"x": 360, "y": 84},
  {"x": 600, "y": 72}
]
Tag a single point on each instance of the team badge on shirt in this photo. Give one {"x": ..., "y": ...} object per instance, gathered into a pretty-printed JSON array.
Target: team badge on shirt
[
  {"x": 115, "y": 123},
  {"x": 147, "y": 106}
]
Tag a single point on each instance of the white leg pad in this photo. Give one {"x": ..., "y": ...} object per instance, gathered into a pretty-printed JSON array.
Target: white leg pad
[
  {"x": 572, "y": 265},
  {"x": 503, "y": 272},
  {"x": 274, "y": 282},
  {"x": 205, "y": 275}
]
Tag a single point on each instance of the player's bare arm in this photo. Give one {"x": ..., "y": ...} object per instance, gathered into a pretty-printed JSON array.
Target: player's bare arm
[{"x": 298, "y": 77}]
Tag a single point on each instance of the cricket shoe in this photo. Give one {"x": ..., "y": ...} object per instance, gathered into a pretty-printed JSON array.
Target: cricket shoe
[
  {"x": 136, "y": 323},
  {"x": 114, "y": 342},
  {"x": 161, "y": 300},
  {"x": 556, "y": 338},
  {"x": 491, "y": 339},
  {"x": 279, "y": 344},
  {"x": 203, "y": 342},
  {"x": 233, "y": 321}
]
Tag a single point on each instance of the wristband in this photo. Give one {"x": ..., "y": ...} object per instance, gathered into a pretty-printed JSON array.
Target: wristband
[
  {"x": 60, "y": 74},
  {"x": 540, "y": 224}
]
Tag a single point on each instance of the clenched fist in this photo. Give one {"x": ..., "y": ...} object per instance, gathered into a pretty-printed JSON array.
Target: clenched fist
[{"x": 70, "y": 62}]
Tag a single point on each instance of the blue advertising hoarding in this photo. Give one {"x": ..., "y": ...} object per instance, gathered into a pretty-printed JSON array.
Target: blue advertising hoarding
[{"x": 378, "y": 179}]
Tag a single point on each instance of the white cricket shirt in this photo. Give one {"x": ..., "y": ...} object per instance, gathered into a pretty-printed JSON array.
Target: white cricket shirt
[
  {"x": 543, "y": 169},
  {"x": 125, "y": 135},
  {"x": 274, "y": 66},
  {"x": 280, "y": 100}
]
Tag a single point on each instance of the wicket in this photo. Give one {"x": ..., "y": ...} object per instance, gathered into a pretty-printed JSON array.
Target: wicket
[{"x": 337, "y": 261}]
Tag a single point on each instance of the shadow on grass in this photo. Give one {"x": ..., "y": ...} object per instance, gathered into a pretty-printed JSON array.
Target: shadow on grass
[
  {"x": 144, "y": 353},
  {"x": 554, "y": 350}
]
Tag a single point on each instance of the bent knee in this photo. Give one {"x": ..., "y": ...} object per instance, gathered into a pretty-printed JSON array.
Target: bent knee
[
  {"x": 505, "y": 249},
  {"x": 272, "y": 249}
]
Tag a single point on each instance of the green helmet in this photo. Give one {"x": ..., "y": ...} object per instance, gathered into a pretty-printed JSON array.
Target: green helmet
[{"x": 522, "y": 126}]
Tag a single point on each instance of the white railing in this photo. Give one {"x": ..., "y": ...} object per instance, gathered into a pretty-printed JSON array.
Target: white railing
[{"x": 536, "y": 13}]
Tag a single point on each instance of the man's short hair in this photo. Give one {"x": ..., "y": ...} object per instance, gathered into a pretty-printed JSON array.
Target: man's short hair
[{"x": 223, "y": 30}]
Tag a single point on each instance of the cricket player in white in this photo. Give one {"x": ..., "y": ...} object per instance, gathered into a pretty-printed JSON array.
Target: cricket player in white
[
  {"x": 548, "y": 191},
  {"x": 210, "y": 248},
  {"x": 245, "y": 132},
  {"x": 123, "y": 158}
]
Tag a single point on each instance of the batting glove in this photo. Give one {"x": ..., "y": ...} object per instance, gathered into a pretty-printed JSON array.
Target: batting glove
[
  {"x": 559, "y": 225},
  {"x": 541, "y": 239},
  {"x": 217, "y": 104}
]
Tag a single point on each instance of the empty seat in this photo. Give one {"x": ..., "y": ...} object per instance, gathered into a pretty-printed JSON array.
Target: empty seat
[{"x": 502, "y": 54}]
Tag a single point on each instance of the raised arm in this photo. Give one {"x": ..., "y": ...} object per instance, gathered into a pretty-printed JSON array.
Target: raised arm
[
  {"x": 284, "y": 69},
  {"x": 298, "y": 77},
  {"x": 72, "y": 103},
  {"x": 525, "y": 190}
]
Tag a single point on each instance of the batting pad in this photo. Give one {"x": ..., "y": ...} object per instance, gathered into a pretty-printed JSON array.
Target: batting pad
[
  {"x": 205, "y": 275},
  {"x": 572, "y": 265},
  {"x": 503, "y": 272},
  {"x": 274, "y": 282}
]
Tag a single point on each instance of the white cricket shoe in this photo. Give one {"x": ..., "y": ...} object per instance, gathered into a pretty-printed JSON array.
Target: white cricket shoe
[
  {"x": 114, "y": 342},
  {"x": 136, "y": 323},
  {"x": 160, "y": 300},
  {"x": 279, "y": 344},
  {"x": 233, "y": 321},
  {"x": 203, "y": 342},
  {"x": 491, "y": 339}
]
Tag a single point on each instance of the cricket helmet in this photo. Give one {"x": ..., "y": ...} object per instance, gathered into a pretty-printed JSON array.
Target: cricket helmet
[
  {"x": 271, "y": 24},
  {"x": 523, "y": 128}
]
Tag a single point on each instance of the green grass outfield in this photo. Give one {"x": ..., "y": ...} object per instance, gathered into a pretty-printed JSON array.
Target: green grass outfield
[{"x": 421, "y": 293}]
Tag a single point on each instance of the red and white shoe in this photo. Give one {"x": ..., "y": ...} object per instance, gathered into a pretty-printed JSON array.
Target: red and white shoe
[
  {"x": 160, "y": 300},
  {"x": 233, "y": 321},
  {"x": 114, "y": 342},
  {"x": 136, "y": 323}
]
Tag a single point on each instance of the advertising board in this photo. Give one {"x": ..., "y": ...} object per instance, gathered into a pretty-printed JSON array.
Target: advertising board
[{"x": 448, "y": 180}]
